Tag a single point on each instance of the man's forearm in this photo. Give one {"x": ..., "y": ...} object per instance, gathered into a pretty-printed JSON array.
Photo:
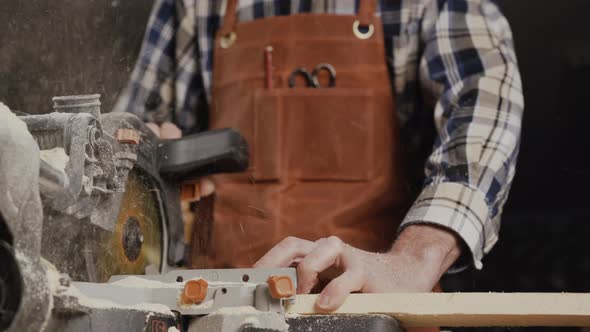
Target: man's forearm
[{"x": 429, "y": 244}]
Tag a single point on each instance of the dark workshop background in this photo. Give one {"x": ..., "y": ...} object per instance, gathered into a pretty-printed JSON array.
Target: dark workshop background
[
  {"x": 62, "y": 47},
  {"x": 51, "y": 48}
]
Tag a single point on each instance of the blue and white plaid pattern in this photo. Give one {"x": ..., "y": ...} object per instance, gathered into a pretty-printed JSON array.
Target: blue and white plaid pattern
[{"x": 456, "y": 53}]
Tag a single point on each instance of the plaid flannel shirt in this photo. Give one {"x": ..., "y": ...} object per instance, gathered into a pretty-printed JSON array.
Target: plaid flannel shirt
[{"x": 458, "y": 52}]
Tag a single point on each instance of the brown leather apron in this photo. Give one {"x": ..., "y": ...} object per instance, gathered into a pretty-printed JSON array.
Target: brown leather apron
[{"x": 324, "y": 161}]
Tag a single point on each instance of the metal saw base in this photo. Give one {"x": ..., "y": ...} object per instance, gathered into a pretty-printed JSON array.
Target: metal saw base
[
  {"x": 112, "y": 320},
  {"x": 136, "y": 321},
  {"x": 117, "y": 319},
  {"x": 344, "y": 323}
]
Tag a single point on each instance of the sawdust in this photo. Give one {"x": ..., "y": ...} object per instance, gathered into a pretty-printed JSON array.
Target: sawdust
[
  {"x": 37, "y": 294},
  {"x": 55, "y": 157},
  {"x": 252, "y": 322},
  {"x": 105, "y": 304},
  {"x": 292, "y": 315},
  {"x": 236, "y": 310},
  {"x": 136, "y": 282},
  {"x": 53, "y": 276},
  {"x": 205, "y": 305}
]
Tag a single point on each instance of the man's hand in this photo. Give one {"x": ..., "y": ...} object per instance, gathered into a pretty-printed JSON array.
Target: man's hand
[
  {"x": 167, "y": 130},
  {"x": 419, "y": 257}
]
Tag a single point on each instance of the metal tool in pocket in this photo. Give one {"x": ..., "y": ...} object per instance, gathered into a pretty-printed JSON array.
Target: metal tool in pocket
[{"x": 312, "y": 80}]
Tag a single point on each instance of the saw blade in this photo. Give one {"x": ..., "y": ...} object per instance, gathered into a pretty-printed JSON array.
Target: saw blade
[{"x": 136, "y": 244}]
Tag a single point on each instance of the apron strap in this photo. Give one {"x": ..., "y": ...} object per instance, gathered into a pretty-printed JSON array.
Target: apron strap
[
  {"x": 230, "y": 19},
  {"x": 366, "y": 12}
]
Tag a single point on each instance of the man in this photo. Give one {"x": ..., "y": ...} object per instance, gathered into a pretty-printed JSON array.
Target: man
[{"x": 328, "y": 185}]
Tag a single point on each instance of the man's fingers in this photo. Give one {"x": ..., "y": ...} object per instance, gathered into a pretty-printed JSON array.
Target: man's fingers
[
  {"x": 168, "y": 130},
  {"x": 153, "y": 127},
  {"x": 333, "y": 296},
  {"x": 207, "y": 187},
  {"x": 285, "y": 253},
  {"x": 321, "y": 258}
]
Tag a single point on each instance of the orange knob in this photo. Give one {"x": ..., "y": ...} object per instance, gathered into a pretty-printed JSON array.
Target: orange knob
[
  {"x": 194, "y": 292},
  {"x": 127, "y": 136},
  {"x": 281, "y": 287}
]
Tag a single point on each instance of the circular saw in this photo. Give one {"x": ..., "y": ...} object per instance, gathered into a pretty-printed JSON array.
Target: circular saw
[
  {"x": 136, "y": 245},
  {"x": 111, "y": 189}
]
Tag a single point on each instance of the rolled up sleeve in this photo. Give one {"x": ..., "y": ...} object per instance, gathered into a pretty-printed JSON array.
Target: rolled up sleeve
[{"x": 470, "y": 67}]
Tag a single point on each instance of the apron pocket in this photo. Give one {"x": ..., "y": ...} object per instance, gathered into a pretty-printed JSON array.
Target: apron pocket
[
  {"x": 325, "y": 134},
  {"x": 266, "y": 150}
]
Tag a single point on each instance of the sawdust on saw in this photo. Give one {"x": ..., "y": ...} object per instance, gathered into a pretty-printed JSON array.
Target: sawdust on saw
[
  {"x": 86, "y": 301},
  {"x": 137, "y": 282},
  {"x": 105, "y": 304},
  {"x": 204, "y": 305},
  {"x": 236, "y": 310},
  {"x": 55, "y": 157}
]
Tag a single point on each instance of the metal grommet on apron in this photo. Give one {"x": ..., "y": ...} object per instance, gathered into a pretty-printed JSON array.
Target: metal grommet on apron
[
  {"x": 325, "y": 156},
  {"x": 227, "y": 40},
  {"x": 362, "y": 35}
]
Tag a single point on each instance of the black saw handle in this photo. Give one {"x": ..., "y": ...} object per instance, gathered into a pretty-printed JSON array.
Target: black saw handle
[
  {"x": 209, "y": 152},
  {"x": 188, "y": 158}
]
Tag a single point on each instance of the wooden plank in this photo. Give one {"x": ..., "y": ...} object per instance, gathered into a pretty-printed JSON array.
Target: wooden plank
[{"x": 465, "y": 309}]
